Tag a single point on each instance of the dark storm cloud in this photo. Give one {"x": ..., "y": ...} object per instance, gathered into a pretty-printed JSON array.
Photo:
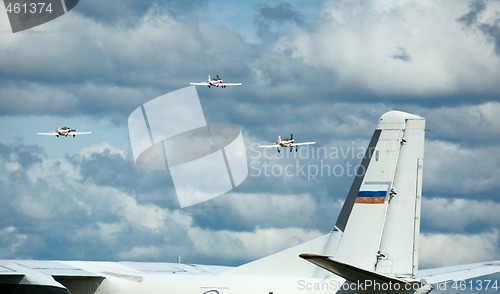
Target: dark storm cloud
[
  {"x": 492, "y": 31},
  {"x": 281, "y": 12},
  {"x": 114, "y": 12},
  {"x": 462, "y": 215},
  {"x": 489, "y": 27},
  {"x": 401, "y": 54},
  {"x": 130, "y": 11},
  {"x": 46, "y": 199},
  {"x": 111, "y": 169},
  {"x": 272, "y": 18},
  {"x": 103, "y": 69},
  {"x": 96, "y": 205},
  {"x": 25, "y": 156},
  {"x": 471, "y": 18}
]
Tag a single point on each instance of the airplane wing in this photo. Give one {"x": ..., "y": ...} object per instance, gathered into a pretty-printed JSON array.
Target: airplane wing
[
  {"x": 41, "y": 276},
  {"x": 45, "y": 276},
  {"x": 79, "y": 133},
  {"x": 269, "y": 146},
  {"x": 458, "y": 272},
  {"x": 47, "y": 134},
  {"x": 199, "y": 84},
  {"x": 303, "y": 143},
  {"x": 229, "y": 84}
]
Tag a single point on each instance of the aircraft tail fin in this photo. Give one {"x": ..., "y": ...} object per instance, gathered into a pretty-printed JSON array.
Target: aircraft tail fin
[
  {"x": 209, "y": 79},
  {"x": 380, "y": 218},
  {"x": 279, "y": 139},
  {"x": 378, "y": 225}
]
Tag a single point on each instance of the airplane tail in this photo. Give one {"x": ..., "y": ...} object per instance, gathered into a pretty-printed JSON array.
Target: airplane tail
[
  {"x": 209, "y": 79},
  {"x": 380, "y": 219},
  {"x": 378, "y": 226},
  {"x": 279, "y": 139}
]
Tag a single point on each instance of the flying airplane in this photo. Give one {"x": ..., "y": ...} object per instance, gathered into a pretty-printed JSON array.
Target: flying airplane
[
  {"x": 64, "y": 131},
  {"x": 287, "y": 142},
  {"x": 217, "y": 82},
  {"x": 372, "y": 247}
]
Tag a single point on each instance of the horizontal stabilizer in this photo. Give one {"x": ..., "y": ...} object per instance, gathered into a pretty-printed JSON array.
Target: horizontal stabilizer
[
  {"x": 349, "y": 272},
  {"x": 458, "y": 272}
]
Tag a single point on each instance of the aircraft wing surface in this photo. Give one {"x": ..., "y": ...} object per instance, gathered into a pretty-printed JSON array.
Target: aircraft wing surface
[
  {"x": 44, "y": 276},
  {"x": 48, "y": 134},
  {"x": 269, "y": 146},
  {"x": 458, "y": 272},
  {"x": 200, "y": 84},
  {"x": 303, "y": 143},
  {"x": 80, "y": 133},
  {"x": 230, "y": 84}
]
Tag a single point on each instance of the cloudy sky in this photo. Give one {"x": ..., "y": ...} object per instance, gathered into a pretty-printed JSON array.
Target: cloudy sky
[{"x": 324, "y": 71}]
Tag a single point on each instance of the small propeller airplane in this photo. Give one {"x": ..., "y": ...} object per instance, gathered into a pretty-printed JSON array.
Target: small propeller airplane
[
  {"x": 64, "y": 131},
  {"x": 217, "y": 82},
  {"x": 287, "y": 142}
]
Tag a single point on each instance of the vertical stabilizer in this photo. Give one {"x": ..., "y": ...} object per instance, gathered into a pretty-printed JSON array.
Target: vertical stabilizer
[
  {"x": 378, "y": 225},
  {"x": 380, "y": 218}
]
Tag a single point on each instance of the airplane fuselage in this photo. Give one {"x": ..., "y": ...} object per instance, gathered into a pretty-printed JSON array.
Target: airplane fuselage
[
  {"x": 286, "y": 143},
  {"x": 63, "y": 133},
  {"x": 127, "y": 280},
  {"x": 219, "y": 285},
  {"x": 215, "y": 83}
]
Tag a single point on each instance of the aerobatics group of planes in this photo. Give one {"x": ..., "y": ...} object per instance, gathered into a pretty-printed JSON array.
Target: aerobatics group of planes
[
  {"x": 217, "y": 82},
  {"x": 288, "y": 142},
  {"x": 372, "y": 247}
]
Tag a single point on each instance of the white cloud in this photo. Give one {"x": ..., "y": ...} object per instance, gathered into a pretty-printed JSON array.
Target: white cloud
[
  {"x": 10, "y": 241},
  {"x": 474, "y": 124},
  {"x": 102, "y": 147},
  {"x": 245, "y": 211},
  {"x": 71, "y": 208},
  {"x": 36, "y": 98},
  {"x": 357, "y": 41},
  {"x": 451, "y": 249},
  {"x": 458, "y": 215},
  {"x": 248, "y": 245},
  {"x": 453, "y": 169}
]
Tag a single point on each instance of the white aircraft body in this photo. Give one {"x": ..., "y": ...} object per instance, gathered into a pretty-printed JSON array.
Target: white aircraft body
[
  {"x": 65, "y": 132},
  {"x": 287, "y": 142},
  {"x": 372, "y": 248},
  {"x": 217, "y": 82}
]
